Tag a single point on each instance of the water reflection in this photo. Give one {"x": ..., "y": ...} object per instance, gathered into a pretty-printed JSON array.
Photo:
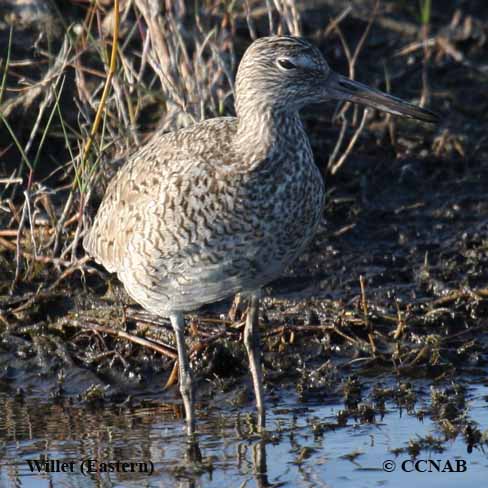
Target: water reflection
[
  {"x": 260, "y": 465},
  {"x": 228, "y": 453}
]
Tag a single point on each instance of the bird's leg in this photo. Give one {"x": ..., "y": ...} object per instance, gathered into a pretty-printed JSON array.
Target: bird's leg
[
  {"x": 186, "y": 387},
  {"x": 260, "y": 464},
  {"x": 251, "y": 341}
]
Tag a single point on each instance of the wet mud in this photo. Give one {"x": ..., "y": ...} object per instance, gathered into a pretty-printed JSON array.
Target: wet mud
[{"x": 375, "y": 343}]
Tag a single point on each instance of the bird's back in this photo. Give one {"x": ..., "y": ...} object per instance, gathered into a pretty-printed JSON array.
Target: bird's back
[
  {"x": 146, "y": 179},
  {"x": 189, "y": 220}
]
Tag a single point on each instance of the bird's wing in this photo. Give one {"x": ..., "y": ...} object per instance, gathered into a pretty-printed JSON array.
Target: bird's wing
[
  {"x": 194, "y": 245},
  {"x": 178, "y": 230},
  {"x": 148, "y": 178}
]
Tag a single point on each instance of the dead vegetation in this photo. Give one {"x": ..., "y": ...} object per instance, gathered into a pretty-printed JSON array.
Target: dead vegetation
[{"x": 397, "y": 280}]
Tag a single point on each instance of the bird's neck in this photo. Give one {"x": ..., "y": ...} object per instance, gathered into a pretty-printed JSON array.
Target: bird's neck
[{"x": 264, "y": 132}]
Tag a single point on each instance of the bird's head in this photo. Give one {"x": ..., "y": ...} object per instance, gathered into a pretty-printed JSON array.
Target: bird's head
[{"x": 287, "y": 73}]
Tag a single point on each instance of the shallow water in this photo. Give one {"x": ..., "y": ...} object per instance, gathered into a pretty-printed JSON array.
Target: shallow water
[{"x": 295, "y": 454}]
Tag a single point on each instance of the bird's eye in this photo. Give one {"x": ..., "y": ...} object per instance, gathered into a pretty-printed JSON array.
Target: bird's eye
[{"x": 285, "y": 64}]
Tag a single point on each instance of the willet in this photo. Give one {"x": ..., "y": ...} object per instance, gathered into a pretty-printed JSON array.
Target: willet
[{"x": 224, "y": 206}]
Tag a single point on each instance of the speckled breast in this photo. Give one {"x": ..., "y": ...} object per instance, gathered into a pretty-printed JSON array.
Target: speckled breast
[{"x": 289, "y": 198}]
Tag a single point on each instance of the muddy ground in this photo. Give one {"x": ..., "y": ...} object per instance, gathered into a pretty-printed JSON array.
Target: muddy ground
[{"x": 393, "y": 290}]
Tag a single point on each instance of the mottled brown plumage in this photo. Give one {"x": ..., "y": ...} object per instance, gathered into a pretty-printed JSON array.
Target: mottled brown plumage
[
  {"x": 222, "y": 207},
  {"x": 191, "y": 219},
  {"x": 226, "y": 205}
]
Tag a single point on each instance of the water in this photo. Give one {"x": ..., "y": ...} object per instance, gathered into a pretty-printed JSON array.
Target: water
[{"x": 296, "y": 454}]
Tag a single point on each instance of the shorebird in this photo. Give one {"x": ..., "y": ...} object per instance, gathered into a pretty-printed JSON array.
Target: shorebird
[{"x": 224, "y": 206}]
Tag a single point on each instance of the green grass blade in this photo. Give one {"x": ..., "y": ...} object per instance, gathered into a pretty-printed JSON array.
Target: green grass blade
[
  {"x": 7, "y": 63},
  {"x": 17, "y": 144},
  {"x": 49, "y": 121}
]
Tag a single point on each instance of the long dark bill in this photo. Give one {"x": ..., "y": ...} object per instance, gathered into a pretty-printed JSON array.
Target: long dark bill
[{"x": 342, "y": 88}]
